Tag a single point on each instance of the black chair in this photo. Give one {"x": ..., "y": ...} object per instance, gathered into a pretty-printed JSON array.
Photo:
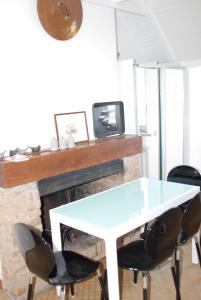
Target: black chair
[
  {"x": 181, "y": 174},
  {"x": 189, "y": 228},
  {"x": 62, "y": 268},
  {"x": 188, "y": 175},
  {"x": 185, "y": 174},
  {"x": 158, "y": 245}
]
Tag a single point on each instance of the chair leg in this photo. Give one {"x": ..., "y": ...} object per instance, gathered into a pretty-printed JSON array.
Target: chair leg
[
  {"x": 135, "y": 275},
  {"x": 177, "y": 266},
  {"x": 103, "y": 284},
  {"x": 145, "y": 285},
  {"x": 64, "y": 292},
  {"x": 197, "y": 248},
  {"x": 72, "y": 290},
  {"x": 32, "y": 283},
  {"x": 178, "y": 295},
  {"x": 143, "y": 234}
]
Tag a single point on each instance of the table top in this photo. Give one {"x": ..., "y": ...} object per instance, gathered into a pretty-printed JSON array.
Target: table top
[{"x": 126, "y": 206}]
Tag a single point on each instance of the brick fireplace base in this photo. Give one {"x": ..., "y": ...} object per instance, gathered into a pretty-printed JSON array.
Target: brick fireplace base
[
  {"x": 22, "y": 204},
  {"x": 18, "y": 204}
]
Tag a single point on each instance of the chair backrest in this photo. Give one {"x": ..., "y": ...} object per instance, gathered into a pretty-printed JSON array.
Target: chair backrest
[
  {"x": 36, "y": 252},
  {"x": 191, "y": 219},
  {"x": 161, "y": 239},
  {"x": 185, "y": 174}
]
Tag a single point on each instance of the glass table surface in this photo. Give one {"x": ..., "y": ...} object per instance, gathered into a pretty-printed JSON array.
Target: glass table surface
[{"x": 117, "y": 205}]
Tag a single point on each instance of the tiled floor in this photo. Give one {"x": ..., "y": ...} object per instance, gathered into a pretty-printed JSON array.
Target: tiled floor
[{"x": 162, "y": 287}]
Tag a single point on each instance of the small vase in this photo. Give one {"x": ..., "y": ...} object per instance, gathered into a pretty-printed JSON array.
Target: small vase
[
  {"x": 62, "y": 143},
  {"x": 70, "y": 141},
  {"x": 53, "y": 144}
]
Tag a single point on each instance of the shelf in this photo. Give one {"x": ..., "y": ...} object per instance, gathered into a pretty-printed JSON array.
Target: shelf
[{"x": 47, "y": 164}]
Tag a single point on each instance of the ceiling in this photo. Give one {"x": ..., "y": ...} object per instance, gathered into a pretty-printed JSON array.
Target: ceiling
[
  {"x": 167, "y": 31},
  {"x": 133, "y": 6}
]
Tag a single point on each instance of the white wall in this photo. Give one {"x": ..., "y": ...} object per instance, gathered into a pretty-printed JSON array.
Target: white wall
[
  {"x": 195, "y": 108},
  {"x": 41, "y": 76}
]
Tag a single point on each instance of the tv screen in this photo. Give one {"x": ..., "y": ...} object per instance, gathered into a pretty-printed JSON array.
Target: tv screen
[{"x": 108, "y": 118}]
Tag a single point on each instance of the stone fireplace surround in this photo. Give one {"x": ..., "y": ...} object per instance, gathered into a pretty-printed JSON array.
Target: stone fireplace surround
[
  {"x": 22, "y": 203},
  {"x": 62, "y": 189}
]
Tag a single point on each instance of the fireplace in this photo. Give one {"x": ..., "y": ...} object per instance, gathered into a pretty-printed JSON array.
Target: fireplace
[
  {"x": 62, "y": 189},
  {"x": 22, "y": 186}
]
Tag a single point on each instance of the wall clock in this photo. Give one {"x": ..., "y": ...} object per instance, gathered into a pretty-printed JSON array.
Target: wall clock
[{"x": 61, "y": 19}]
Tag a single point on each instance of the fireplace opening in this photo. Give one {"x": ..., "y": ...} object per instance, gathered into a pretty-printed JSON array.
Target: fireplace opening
[
  {"x": 56, "y": 199},
  {"x": 69, "y": 187}
]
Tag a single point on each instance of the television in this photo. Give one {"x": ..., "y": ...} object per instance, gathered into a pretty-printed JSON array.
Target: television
[{"x": 108, "y": 118}]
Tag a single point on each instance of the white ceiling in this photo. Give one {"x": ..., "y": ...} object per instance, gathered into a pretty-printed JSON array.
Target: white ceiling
[
  {"x": 166, "y": 31},
  {"x": 133, "y": 6}
]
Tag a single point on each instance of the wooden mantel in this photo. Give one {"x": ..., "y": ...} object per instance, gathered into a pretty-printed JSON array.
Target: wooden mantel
[{"x": 47, "y": 164}]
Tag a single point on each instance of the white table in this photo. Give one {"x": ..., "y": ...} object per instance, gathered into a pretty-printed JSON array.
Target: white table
[{"x": 115, "y": 212}]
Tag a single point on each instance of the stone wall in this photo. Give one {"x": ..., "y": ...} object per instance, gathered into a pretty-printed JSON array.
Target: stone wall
[
  {"x": 18, "y": 204},
  {"x": 22, "y": 204}
]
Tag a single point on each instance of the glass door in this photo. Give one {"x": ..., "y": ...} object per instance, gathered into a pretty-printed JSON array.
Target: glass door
[
  {"x": 147, "y": 97},
  {"x": 160, "y": 101}
]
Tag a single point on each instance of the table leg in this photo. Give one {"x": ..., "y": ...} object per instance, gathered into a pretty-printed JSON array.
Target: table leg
[
  {"x": 112, "y": 269},
  {"x": 56, "y": 239},
  {"x": 56, "y": 233}
]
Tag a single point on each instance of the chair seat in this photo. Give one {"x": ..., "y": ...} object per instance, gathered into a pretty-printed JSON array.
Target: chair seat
[
  {"x": 134, "y": 256},
  {"x": 61, "y": 268},
  {"x": 75, "y": 268}
]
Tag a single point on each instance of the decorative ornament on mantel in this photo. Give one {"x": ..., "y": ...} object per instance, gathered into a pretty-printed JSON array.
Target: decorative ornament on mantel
[
  {"x": 2, "y": 154},
  {"x": 62, "y": 143},
  {"x": 54, "y": 145},
  {"x": 61, "y": 19},
  {"x": 70, "y": 129}
]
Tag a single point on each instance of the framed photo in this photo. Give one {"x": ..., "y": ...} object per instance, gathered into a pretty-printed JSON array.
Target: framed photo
[
  {"x": 74, "y": 123},
  {"x": 108, "y": 118}
]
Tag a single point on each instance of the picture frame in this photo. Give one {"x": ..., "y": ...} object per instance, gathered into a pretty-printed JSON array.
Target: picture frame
[
  {"x": 108, "y": 118},
  {"x": 75, "y": 120}
]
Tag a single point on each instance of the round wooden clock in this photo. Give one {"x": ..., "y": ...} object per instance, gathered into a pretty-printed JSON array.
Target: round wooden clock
[{"x": 62, "y": 19}]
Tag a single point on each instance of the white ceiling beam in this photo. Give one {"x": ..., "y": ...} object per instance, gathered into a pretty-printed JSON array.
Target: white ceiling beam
[{"x": 132, "y": 6}]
